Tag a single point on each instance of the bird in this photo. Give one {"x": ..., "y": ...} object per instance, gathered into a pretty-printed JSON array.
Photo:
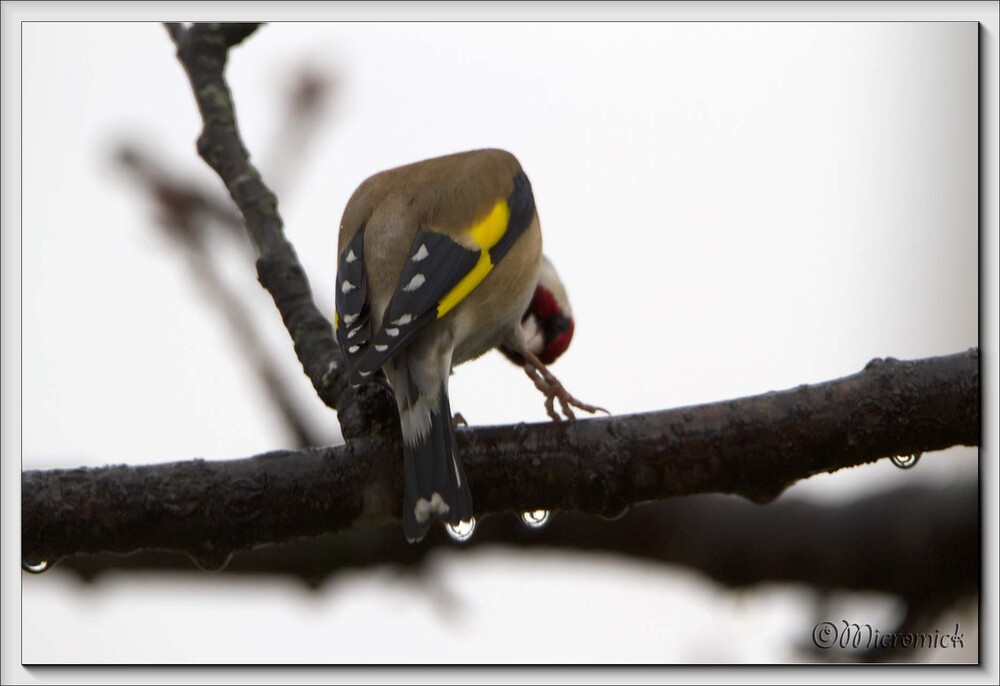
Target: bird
[{"x": 438, "y": 262}]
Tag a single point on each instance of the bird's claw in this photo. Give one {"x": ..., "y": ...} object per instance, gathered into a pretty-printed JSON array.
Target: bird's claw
[{"x": 553, "y": 389}]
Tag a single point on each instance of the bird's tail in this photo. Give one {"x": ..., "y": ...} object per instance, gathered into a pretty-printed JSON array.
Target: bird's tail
[{"x": 435, "y": 486}]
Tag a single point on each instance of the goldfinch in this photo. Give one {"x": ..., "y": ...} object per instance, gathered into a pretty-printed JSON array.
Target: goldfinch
[{"x": 438, "y": 262}]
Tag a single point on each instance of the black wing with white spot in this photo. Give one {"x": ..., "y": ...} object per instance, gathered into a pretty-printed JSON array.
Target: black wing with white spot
[
  {"x": 353, "y": 326},
  {"x": 522, "y": 211},
  {"x": 435, "y": 265}
]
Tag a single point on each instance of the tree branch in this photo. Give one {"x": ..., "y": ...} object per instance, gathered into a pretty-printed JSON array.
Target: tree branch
[
  {"x": 203, "y": 50},
  {"x": 754, "y": 447}
]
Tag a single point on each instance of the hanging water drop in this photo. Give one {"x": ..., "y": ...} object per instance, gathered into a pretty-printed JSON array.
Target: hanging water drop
[
  {"x": 535, "y": 519},
  {"x": 619, "y": 515},
  {"x": 211, "y": 563},
  {"x": 462, "y": 531},
  {"x": 906, "y": 461},
  {"x": 36, "y": 567}
]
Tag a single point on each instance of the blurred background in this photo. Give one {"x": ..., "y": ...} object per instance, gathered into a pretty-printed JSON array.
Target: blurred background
[{"x": 754, "y": 205}]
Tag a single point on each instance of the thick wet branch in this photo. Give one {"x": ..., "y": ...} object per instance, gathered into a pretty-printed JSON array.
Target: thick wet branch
[
  {"x": 203, "y": 50},
  {"x": 755, "y": 447}
]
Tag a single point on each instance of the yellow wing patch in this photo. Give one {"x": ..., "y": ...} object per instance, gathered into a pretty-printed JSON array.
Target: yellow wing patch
[
  {"x": 486, "y": 233},
  {"x": 489, "y": 231}
]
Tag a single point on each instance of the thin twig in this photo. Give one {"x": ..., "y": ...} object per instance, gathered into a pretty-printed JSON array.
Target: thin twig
[{"x": 203, "y": 50}]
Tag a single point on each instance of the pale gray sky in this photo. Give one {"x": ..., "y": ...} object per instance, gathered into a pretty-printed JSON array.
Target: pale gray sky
[{"x": 735, "y": 208}]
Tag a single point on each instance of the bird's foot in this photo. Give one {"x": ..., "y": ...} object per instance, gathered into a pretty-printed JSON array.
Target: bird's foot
[{"x": 553, "y": 389}]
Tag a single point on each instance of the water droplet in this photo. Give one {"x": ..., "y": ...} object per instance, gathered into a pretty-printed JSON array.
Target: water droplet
[
  {"x": 906, "y": 461},
  {"x": 616, "y": 517},
  {"x": 211, "y": 563},
  {"x": 36, "y": 567},
  {"x": 462, "y": 531},
  {"x": 535, "y": 519}
]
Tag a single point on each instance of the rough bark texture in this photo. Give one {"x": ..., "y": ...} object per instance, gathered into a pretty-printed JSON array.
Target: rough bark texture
[{"x": 754, "y": 447}]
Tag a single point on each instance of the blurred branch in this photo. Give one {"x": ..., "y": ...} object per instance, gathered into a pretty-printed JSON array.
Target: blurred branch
[
  {"x": 918, "y": 543},
  {"x": 182, "y": 214},
  {"x": 203, "y": 50},
  {"x": 181, "y": 204},
  {"x": 754, "y": 447},
  {"x": 306, "y": 107},
  {"x": 915, "y": 542},
  {"x": 188, "y": 215}
]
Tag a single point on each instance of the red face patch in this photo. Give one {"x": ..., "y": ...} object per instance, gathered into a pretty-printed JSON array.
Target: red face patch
[
  {"x": 544, "y": 304},
  {"x": 557, "y": 329},
  {"x": 557, "y": 346}
]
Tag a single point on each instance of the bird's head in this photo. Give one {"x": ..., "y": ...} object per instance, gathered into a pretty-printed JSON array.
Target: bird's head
[{"x": 548, "y": 322}]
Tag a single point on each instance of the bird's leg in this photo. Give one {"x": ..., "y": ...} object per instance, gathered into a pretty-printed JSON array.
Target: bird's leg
[
  {"x": 548, "y": 384},
  {"x": 540, "y": 384}
]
